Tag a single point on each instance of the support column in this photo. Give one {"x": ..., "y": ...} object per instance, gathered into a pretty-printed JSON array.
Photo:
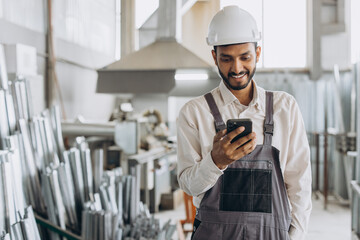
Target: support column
[{"x": 127, "y": 27}]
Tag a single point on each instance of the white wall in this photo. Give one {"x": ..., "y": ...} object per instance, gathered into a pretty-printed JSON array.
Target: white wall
[{"x": 80, "y": 53}]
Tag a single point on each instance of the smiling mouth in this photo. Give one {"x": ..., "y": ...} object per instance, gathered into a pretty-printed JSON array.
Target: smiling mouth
[{"x": 238, "y": 76}]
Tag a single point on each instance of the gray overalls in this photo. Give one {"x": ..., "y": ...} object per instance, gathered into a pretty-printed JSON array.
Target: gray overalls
[{"x": 249, "y": 201}]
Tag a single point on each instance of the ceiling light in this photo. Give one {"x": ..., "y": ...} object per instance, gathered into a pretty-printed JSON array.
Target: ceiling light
[{"x": 191, "y": 76}]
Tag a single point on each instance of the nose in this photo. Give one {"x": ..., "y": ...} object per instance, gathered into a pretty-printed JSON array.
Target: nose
[{"x": 237, "y": 66}]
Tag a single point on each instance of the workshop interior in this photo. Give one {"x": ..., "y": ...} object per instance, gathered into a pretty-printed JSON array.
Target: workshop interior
[{"x": 90, "y": 92}]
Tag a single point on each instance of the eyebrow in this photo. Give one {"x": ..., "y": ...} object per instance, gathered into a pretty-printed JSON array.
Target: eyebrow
[{"x": 226, "y": 55}]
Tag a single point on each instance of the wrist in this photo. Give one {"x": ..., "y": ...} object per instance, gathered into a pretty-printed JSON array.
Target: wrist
[{"x": 219, "y": 165}]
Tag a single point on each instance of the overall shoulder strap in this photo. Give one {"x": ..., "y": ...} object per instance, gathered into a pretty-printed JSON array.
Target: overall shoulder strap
[
  {"x": 269, "y": 122},
  {"x": 218, "y": 121}
]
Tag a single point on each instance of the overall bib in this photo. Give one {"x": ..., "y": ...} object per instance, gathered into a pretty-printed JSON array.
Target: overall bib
[{"x": 249, "y": 201}]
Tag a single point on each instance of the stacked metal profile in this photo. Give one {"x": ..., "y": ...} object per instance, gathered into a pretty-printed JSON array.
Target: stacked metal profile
[
  {"x": 67, "y": 186},
  {"x": 16, "y": 220},
  {"x": 18, "y": 175},
  {"x": 112, "y": 214}
]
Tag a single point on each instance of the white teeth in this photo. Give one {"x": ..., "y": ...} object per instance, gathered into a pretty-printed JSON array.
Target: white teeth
[{"x": 239, "y": 76}]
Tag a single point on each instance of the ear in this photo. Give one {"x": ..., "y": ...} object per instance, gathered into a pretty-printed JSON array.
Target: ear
[
  {"x": 214, "y": 57},
  {"x": 258, "y": 52}
]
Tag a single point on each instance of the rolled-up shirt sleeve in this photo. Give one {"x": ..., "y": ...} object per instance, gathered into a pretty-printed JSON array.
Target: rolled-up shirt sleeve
[
  {"x": 196, "y": 173},
  {"x": 297, "y": 175}
]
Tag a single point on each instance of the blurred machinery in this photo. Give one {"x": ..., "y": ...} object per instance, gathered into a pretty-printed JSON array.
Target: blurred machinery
[{"x": 139, "y": 145}]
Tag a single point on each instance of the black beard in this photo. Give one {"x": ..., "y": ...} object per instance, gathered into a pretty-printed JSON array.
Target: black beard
[{"x": 226, "y": 79}]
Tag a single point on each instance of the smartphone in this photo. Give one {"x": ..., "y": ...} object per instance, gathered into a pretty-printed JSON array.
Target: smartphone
[{"x": 233, "y": 124}]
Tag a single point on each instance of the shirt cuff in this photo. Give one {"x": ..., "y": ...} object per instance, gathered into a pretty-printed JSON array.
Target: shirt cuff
[{"x": 208, "y": 167}]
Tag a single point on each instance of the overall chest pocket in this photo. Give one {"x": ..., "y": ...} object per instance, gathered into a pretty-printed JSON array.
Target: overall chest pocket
[{"x": 247, "y": 189}]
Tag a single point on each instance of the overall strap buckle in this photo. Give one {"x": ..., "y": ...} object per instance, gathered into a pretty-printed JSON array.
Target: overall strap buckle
[{"x": 269, "y": 129}]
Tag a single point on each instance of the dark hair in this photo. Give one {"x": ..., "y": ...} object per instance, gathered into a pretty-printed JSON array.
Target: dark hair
[{"x": 255, "y": 43}]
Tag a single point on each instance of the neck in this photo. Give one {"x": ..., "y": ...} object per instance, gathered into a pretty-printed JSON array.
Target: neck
[{"x": 244, "y": 95}]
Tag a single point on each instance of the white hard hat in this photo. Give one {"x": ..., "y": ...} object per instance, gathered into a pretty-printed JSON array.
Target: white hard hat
[{"x": 232, "y": 25}]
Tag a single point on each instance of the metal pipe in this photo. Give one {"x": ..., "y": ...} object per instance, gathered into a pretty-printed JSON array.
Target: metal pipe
[
  {"x": 325, "y": 171},
  {"x": 88, "y": 129},
  {"x": 45, "y": 223},
  {"x": 317, "y": 169}
]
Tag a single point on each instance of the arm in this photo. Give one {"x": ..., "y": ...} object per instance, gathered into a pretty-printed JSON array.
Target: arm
[
  {"x": 197, "y": 173},
  {"x": 297, "y": 175}
]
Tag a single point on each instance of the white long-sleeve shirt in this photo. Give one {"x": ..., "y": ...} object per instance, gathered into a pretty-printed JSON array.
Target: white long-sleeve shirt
[{"x": 197, "y": 172}]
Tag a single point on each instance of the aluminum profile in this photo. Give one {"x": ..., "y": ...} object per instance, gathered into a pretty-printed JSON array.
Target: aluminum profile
[
  {"x": 58, "y": 198},
  {"x": 20, "y": 102},
  {"x": 98, "y": 167},
  {"x": 10, "y": 112},
  {"x": 27, "y": 230},
  {"x": 87, "y": 174},
  {"x": 3, "y": 72},
  {"x": 56, "y": 125},
  {"x": 44, "y": 148},
  {"x": 34, "y": 181},
  {"x": 16, "y": 231},
  {"x": 50, "y": 138},
  {"x": 16, "y": 170},
  {"x": 5, "y": 237},
  {"x": 38, "y": 146},
  {"x": 24, "y": 99},
  {"x": 18, "y": 144},
  {"x": 50, "y": 203},
  {"x": 26, "y": 90},
  {"x": 67, "y": 193},
  {"x": 29, "y": 214},
  {"x": 4, "y": 124},
  {"x": 2, "y": 194},
  {"x": 7, "y": 185},
  {"x": 76, "y": 171}
]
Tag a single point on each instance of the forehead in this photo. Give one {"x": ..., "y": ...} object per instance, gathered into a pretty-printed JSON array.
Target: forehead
[{"x": 235, "y": 49}]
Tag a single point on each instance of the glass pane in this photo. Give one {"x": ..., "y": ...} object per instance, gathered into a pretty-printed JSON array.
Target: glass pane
[
  {"x": 254, "y": 7},
  {"x": 284, "y": 33}
]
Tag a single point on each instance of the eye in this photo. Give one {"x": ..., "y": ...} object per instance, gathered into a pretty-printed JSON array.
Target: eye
[
  {"x": 246, "y": 57},
  {"x": 225, "y": 59}
]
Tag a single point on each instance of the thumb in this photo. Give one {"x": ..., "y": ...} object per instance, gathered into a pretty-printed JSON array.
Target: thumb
[{"x": 219, "y": 135}]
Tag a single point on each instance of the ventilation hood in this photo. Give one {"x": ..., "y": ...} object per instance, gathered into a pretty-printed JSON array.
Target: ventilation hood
[{"x": 152, "y": 69}]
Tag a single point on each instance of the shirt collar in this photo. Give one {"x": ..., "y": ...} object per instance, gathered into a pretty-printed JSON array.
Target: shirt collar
[
  {"x": 258, "y": 96},
  {"x": 227, "y": 96}
]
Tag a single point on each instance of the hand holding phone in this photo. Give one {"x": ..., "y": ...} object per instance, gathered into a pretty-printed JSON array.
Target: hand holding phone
[
  {"x": 224, "y": 153},
  {"x": 233, "y": 124}
]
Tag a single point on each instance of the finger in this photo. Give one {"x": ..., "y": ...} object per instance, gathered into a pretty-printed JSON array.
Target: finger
[
  {"x": 243, "y": 140},
  {"x": 250, "y": 146},
  {"x": 245, "y": 149},
  {"x": 233, "y": 134},
  {"x": 219, "y": 135}
]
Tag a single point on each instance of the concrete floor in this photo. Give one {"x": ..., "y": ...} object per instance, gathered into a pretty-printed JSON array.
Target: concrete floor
[{"x": 331, "y": 224}]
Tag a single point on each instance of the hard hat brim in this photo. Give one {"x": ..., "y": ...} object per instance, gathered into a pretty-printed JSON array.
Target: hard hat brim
[{"x": 232, "y": 41}]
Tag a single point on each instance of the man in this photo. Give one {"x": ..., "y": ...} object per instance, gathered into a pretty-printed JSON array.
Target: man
[{"x": 258, "y": 187}]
